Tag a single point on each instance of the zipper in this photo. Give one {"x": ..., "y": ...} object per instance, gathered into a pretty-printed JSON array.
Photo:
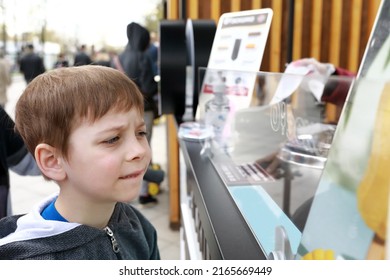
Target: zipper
[{"x": 115, "y": 246}]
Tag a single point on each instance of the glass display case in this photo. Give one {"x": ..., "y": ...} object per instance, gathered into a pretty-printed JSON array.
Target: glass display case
[
  {"x": 269, "y": 141},
  {"x": 284, "y": 166}
]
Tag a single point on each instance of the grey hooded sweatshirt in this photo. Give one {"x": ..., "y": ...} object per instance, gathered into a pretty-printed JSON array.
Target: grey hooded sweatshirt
[{"x": 128, "y": 235}]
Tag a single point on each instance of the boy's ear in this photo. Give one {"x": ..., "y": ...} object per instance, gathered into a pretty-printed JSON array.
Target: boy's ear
[{"x": 49, "y": 162}]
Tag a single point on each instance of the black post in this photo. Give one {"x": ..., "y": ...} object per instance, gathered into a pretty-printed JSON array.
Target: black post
[
  {"x": 183, "y": 9},
  {"x": 290, "y": 34}
]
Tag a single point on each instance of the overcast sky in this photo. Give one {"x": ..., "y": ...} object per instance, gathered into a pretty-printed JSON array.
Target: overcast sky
[{"x": 92, "y": 21}]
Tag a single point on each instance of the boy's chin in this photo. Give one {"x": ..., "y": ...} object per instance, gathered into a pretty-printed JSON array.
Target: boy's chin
[{"x": 130, "y": 196}]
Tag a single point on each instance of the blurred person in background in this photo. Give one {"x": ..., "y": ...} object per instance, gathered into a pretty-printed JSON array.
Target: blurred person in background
[
  {"x": 102, "y": 58},
  {"x": 5, "y": 79},
  {"x": 152, "y": 51},
  {"x": 81, "y": 57},
  {"x": 31, "y": 64},
  {"x": 61, "y": 61}
]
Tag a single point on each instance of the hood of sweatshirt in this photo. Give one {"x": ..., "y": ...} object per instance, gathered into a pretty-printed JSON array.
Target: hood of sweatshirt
[
  {"x": 33, "y": 225},
  {"x": 138, "y": 37}
]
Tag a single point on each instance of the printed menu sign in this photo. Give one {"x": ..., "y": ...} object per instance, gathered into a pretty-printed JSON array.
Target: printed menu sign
[{"x": 238, "y": 45}]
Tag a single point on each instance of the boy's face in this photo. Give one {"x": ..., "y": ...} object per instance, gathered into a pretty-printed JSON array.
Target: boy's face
[{"x": 108, "y": 158}]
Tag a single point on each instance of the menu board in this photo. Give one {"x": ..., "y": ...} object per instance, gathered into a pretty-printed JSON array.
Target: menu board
[{"x": 239, "y": 44}]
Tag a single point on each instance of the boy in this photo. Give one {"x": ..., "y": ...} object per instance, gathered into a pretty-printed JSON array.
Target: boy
[{"x": 85, "y": 128}]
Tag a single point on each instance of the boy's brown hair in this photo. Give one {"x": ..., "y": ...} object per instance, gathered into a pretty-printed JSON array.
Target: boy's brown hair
[{"x": 55, "y": 102}]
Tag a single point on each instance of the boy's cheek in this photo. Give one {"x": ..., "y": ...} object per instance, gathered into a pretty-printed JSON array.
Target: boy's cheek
[{"x": 149, "y": 153}]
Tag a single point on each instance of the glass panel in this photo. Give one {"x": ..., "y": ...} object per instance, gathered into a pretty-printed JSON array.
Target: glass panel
[
  {"x": 348, "y": 215},
  {"x": 272, "y": 145}
]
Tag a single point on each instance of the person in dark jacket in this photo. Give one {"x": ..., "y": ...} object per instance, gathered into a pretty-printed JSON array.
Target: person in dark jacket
[
  {"x": 61, "y": 61},
  {"x": 138, "y": 66},
  {"x": 90, "y": 138},
  {"x": 152, "y": 51},
  {"x": 81, "y": 57},
  {"x": 31, "y": 64},
  {"x": 13, "y": 155}
]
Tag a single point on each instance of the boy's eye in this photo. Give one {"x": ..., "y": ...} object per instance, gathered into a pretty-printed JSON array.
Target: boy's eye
[
  {"x": 112, "y": 140},
  {"x": 143, "y": 133}
]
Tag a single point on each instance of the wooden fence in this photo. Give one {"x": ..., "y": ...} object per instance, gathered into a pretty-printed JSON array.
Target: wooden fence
[{"x": 334, "y": 31}]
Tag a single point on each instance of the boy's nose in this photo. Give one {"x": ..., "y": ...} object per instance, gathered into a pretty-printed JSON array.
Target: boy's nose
[{"x": 138, "y": 149}]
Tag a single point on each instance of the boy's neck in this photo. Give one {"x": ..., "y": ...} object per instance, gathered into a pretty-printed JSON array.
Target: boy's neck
[{"x": 83, "y": 211}]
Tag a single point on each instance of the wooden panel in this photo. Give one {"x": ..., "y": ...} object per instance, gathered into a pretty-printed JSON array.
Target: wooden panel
[
  {"x": 372, "y": 8},
  {"x": 345, "y": 34},
  {"x": 306, "y": 24},
  {"x": 265, "y": 63},
  {"x": 334, "y": 48},
  {"x": 284, "y": 36},
  {"x": 365, "y": 31},
  {"x": 316, "y": 29},
  {"x": 334, "y": 45},
  {"x": 354, "y": 35},
  {"x": 204, "y": 10},
  {"x": 275, "y": 40},
  {"x": 335, "y": 31},
  {"x": 235, "y": 5},
  {"x": 246, "y": 5},
  {"x": 173, "y": 173},
  {"x": 173, "y": 9},
  {"x": 215, "y": 10},
  {"x": 225, "y": 6},
  {"x": 193, "y": 9},
  {"x": 325, "y": 36},
  {"x": 298, "y": 25},
  {"x": 256, "y": 4}
]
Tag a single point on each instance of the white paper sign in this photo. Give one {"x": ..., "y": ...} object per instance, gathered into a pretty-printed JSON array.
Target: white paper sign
[{"x": 238, "y": 45}]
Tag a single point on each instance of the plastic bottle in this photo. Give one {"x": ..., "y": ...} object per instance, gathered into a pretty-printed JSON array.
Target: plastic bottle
[{"x": 217, "y": 111}]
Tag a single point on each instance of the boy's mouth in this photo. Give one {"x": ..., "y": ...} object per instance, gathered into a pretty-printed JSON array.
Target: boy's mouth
[{"x": 132, "y": 175}]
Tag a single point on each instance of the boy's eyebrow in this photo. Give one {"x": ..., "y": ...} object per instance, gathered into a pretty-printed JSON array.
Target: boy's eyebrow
[
  {"x": 118, "y": 128},
  {"x": 110, "y": 130}
]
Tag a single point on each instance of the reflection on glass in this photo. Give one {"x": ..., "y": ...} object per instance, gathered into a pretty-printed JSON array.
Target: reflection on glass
[{"x": 273, "y": 155}]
